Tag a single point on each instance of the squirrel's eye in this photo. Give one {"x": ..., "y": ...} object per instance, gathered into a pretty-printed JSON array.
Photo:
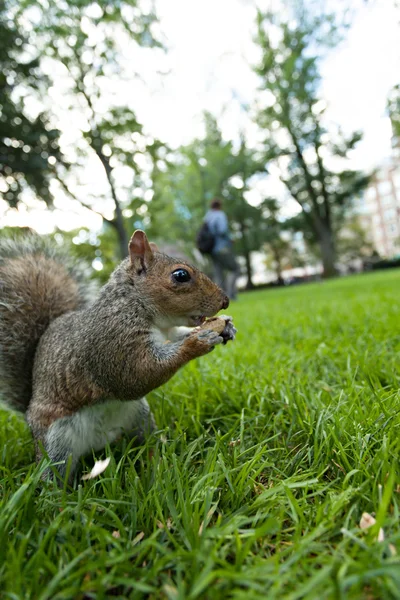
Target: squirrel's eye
[{"x": 181, "y": 276}]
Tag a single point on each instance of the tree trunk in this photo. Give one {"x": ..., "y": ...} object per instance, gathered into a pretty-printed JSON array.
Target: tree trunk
[
  {"x": 97, "y": 144},
  {"x": 327, "y": 247},
  {"x": 278, "y": 266},
  {"x": 118, "y": 222},
  {"x": 279, "y": 278},
  {"x": 246, "y": 254},
  {"x": 249, "y": 271},
  {"x": 121, "y": 231}
]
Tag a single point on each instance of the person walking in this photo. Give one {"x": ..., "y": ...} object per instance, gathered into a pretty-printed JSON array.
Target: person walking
[{"x": 226, "y": 268}]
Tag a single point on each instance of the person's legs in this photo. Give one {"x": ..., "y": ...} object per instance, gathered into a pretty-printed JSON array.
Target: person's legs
[
  {"x": 231, "y": 281},
  {"x": 226, "y": 271},
  {"x": 219, "y": 274}
]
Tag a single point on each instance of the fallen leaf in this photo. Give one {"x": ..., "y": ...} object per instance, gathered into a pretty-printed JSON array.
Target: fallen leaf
[
  {"x": 170, "y": 591},
  {"x": 168, "y": 524},
  {"x": 368, "y": 520},
  {"x": 138, "y": 538},
  {"x": 234, "y": 443},
  {"x": 98, "y": 468}
]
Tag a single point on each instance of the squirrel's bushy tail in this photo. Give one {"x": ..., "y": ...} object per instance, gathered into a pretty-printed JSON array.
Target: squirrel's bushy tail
[{"x": 38, "y": 283}]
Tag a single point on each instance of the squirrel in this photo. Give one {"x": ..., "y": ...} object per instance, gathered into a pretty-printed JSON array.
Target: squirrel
[{"x": 79, "y": 366}]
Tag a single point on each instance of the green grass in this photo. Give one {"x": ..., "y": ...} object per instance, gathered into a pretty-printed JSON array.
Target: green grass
[{"x": 275, "y": 446}]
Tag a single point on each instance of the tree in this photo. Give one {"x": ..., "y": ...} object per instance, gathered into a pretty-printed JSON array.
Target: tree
[
  {"x": 281, "y": 250},
  {"x": 247, "y": 220},
  {"x": 84, "y": 44},
  {"x": 206, "y": 168},
  {"x": 309, "y": 156},
  {"x": 276, "y": 247},
  {"x": 353, "y": 242},
  {"x": 29, "y": 144}
]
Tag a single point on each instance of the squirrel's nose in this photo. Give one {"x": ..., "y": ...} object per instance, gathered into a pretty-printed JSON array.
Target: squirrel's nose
[{"x": 225, "y": 302}]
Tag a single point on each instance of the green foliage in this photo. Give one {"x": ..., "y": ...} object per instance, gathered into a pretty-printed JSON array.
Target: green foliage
[
  {"x": 353, "y": 242},
  {"x": 310, "y": 157},
  {"x": 29, "y": 144},
  {"x": 268, "y": 453},
  {"x": 279, "y": 247},
  {"x": 100, "y": 250},
  {"x": 207, "y": 168},
  {"x": 83, "y": 44}
]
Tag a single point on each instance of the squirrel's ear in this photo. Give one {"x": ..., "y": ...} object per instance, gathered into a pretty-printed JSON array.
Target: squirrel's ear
[
  {"x": 154, "y": 247},
  {"x": 140, "y": 251}
]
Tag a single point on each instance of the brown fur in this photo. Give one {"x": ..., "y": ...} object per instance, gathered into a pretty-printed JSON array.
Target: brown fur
[
  {"x": 37, "y": 285},
  {"x": 66, "y": 354}
]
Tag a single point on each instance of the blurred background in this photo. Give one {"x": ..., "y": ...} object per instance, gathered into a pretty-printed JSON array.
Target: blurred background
[{"x": 116, "y": 115}]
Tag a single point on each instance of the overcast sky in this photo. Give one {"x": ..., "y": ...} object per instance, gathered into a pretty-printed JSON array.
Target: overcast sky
[{"x": 208, "y": 64}]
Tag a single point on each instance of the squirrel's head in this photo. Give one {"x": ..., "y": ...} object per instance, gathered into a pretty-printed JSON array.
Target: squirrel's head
[{"x": 179, "y": 293}]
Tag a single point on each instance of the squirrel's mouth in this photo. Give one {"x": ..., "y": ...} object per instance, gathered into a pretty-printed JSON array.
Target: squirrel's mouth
[{"x": 196, "y": 320}]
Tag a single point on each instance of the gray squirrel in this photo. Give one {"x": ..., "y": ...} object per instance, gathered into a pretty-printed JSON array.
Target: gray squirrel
[{"x": 80, "y": 366}]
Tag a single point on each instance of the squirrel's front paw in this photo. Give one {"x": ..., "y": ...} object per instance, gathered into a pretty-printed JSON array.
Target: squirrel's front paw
[
  {"x": 210, "y": 337},
  {"x": 229, "y": 331},
  {"x": 203, "y": 341}
]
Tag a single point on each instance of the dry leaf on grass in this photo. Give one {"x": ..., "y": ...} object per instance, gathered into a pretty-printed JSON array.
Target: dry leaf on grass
[
  {"x": 367, "y": 521},
  {"x": 168, "y": 524},
  {"x": 234, "y": 443},
  {"x": 98, "y": 468},
  {"x": 138, "y": 538},
  {"x": 170, "y": 591}
]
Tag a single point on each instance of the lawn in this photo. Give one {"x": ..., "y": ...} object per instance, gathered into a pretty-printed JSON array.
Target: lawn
[{"x": 268, "y": 453}]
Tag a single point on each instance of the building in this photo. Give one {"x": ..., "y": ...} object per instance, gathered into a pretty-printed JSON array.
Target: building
[{"x": 379, "y": 210}]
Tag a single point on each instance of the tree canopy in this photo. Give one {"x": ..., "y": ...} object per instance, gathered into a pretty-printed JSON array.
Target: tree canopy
[{"x": 310, "y": 156}]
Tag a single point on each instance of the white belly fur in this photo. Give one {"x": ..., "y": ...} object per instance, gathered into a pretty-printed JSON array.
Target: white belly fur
[{"x": 93, "y": 427}]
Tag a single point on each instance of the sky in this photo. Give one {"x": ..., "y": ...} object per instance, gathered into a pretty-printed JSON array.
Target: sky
[{"x": 208, "y": 66}]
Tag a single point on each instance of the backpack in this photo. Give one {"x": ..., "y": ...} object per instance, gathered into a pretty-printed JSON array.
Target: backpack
[{"x": 205, "y": 240}]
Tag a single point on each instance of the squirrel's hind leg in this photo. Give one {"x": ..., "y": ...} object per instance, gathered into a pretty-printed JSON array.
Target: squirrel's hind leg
[
  {"x": 57, "y": 441},
  {"x": 143, "y": 423},
  {"x": 91, "y": 428}
]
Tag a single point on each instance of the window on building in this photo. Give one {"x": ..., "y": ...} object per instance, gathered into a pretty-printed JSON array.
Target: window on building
[
  {"x": 387, "y": 200},
  {"x": 371, "y": 193},
  {"x": 384, "y": 187},
  {"x": 381, "y": 249},
  {"x": 389, "y": 214},
  {"x": 392, "y": 229}
]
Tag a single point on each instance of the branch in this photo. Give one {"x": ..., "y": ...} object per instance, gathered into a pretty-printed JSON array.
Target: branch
[
  {"x": 71, "y": 195},
  {"x": 97, "y": 145},
  {"x": 322, "y": 174},
  {"x": 303, "y": 163},
  {"x": 309, "y": 217}
]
